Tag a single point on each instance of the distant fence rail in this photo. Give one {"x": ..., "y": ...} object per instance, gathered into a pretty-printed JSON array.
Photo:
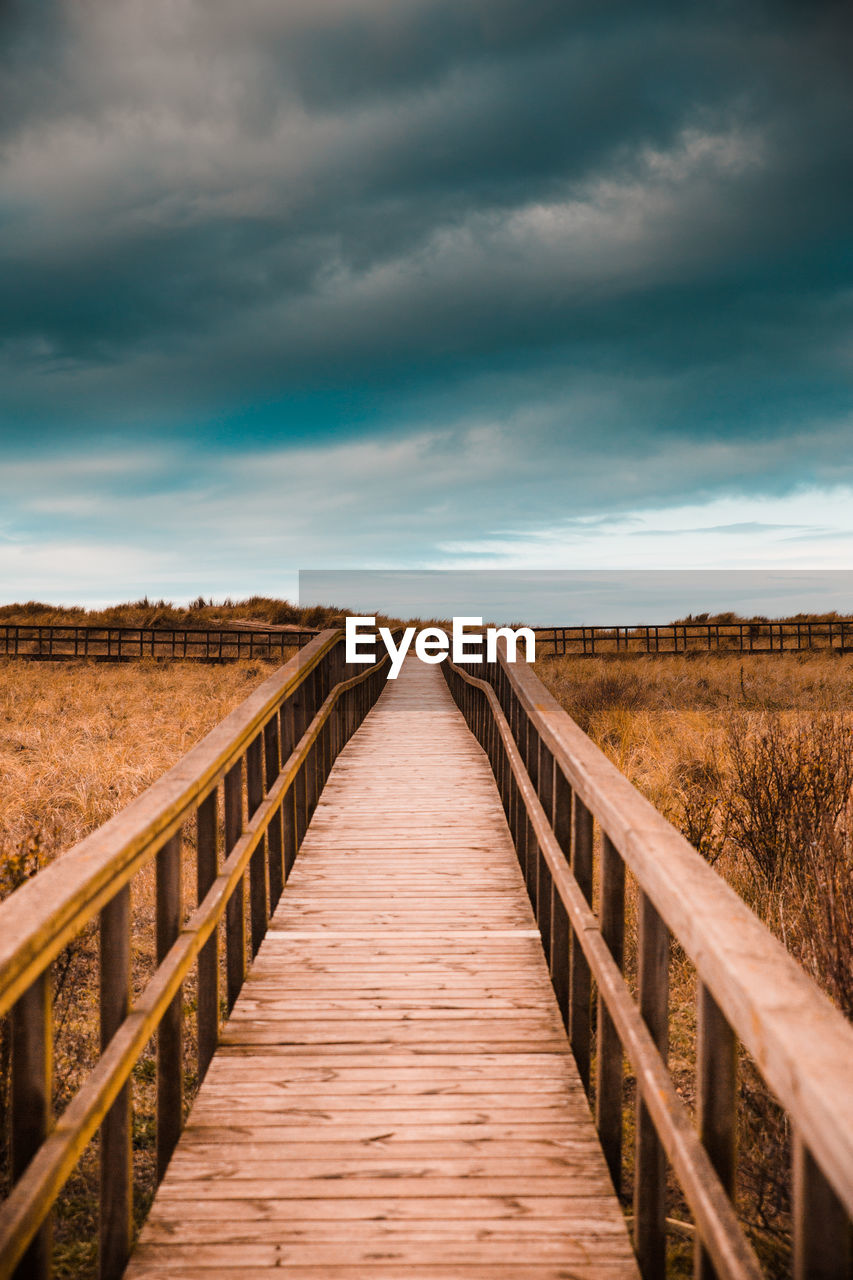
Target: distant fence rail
[
  {"x": 684, "y": 637},
  {"x": 123, "y": 644},
  {"x": 228, "y": 644}
]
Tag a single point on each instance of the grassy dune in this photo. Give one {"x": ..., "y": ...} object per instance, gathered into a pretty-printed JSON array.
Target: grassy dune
[{"x": 258, "y": 610}]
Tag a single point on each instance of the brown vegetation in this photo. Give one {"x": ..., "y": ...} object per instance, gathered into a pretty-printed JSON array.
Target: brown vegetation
[
  {"x": 257, "y": 610},
  {"x": 753, "y": 760},
  {"x": 77, "y": 743}
]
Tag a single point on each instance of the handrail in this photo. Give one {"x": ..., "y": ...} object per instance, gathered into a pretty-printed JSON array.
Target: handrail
[
  {"x": 555, "y": 782},
  {"x": 755, "y": 636},
  {"x": 304, "y": 713},
  {"x": 123, "y": 643}
]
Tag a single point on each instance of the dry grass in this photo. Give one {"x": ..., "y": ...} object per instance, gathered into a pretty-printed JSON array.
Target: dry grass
[
  {"x": 258, "y": 610},
  {"x": 77, "y": 742},
  {"x": 752, "y": 758}
]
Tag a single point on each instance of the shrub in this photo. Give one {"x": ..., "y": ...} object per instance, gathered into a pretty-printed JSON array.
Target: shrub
[{"x": 789, "y": 787}]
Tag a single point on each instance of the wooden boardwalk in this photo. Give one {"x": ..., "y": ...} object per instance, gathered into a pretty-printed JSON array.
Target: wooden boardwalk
[{"x": 393, "y": 1095}]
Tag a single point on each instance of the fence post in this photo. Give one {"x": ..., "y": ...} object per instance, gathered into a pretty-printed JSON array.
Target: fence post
[
  {"x": 258, "y": 862},
  {"x": 207, "y": 868},
  {"x": 822, "y": 1245},
  {"x": 650, "y": 1163},
  {"x": 579, "y": 976},
  {"x": 609, "y": 1075},
  {"x": 235, "y": 925},
  {"x": 170, "y": 1073},
  {"x": 31, "y": 1027},
  {"x": 275, "y": 831},
  {"x": 716, "y": 1062},
  {"x": 561, "y": 821},
  {"x": 116, "y": 1172}
]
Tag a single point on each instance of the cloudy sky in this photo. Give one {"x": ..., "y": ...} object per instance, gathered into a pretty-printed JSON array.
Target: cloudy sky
[{"x": 433, "y": 283}]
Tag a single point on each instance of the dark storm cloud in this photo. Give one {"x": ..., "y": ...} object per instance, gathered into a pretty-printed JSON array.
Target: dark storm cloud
[{"x": 619, "y": 230}]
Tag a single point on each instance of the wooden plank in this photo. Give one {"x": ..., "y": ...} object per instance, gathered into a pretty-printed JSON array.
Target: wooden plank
[
  {"x": 393, "y": 1094},
  {"x": 375, "y": 1270},
  {"x": 587, "y": 1211}
]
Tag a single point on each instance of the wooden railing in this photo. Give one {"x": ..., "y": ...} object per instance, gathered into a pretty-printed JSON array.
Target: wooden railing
[
  {"x": 124, "y": 644},
  {"x": 684, "y": 637},
  {"x": 248, "y": 789},
  {"x": 223, "y": 644},
  {"x": 577, "y": 821}
]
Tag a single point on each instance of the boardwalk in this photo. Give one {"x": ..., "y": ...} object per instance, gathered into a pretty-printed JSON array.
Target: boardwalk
[{"x": 393, "y": 1095}]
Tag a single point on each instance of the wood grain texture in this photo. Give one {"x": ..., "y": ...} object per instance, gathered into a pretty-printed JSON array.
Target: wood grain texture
[{"x": 393, "y": 1094}]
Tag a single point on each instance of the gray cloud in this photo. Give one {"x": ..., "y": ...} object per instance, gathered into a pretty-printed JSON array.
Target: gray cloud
[{"x": 608, "y": 242}]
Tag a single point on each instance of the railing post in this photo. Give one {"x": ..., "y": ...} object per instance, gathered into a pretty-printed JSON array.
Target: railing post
[
  {"x": 544, "y": 894},
  {"x": 258, "y": 862},
  {"x": 207, "y": 868},
  {"x": 288, "y": 813},
  {"x": 531, "y": 856},
  {"x": 116, "y": 1171},
  {"x": 579, "y": 976},
  {"x": 561, "y": 821},
  {"x": 650, "y": 1162},
  {"x": 170, "y": 1074},
  {"x": 31, "y": 1027},
  {"x": 235, "y": 925},
  {"x": 716, "y": 1062},
  {"x": 544, "y": 883},
  {"x": 312, "y": 789},
  {"x": 609, "y": 1074},
  {"x": 275, "y": 831},
  {"x": 822, "y": 1235}
]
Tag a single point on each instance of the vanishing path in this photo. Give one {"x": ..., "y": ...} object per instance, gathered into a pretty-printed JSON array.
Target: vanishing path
[{"x": 394, "y": 1094}]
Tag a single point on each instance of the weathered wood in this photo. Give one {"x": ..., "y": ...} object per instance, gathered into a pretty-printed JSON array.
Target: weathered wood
[
  {"x": 608, "y": 1058},
  {"x": 258, "y": 913},
  {"x": 716, "y": 1086},
  {"x": 122, "y": 644},
  {"x": 275, "y": 834},
  {"x": 116, "y": 1171},
  {"x": 649, "y": 1161},
  {"x": 397, "y": 1037},
  {"x": 170, "y": 1069},
  {"x": 822, "y": 1238},
  {"x": 235, "y": 916},
  {"x": 31, "y": 1083},
  {"x": 580, "y": 983},
  {"x": 207, "y": 868}
]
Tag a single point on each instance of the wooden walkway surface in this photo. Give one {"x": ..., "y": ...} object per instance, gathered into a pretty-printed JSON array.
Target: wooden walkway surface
[{"x": 394, "y": 1096}]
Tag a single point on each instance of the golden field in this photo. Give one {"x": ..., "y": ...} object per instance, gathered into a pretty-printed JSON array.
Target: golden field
[{"x": 78, "y": 741}]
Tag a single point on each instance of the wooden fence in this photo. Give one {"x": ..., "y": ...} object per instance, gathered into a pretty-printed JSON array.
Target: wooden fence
[
  {"x": 683, "y": 637},
  {"x": 124, "y": 644},
  {"x": 225, "y": 644},
  {"x": 578, "y": 822},
  {"x": 248, "y": 790}
]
